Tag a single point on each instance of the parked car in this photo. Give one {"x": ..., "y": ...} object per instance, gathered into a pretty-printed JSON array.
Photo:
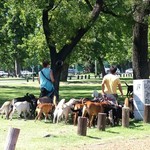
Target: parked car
[
  {"x": 72, "y": 71},
  {"x": 107, "y": 70},
  {"x": 3, "y": 74},
  {"x": 25, "y": 73},
  {"x": 129, "y": 71}
]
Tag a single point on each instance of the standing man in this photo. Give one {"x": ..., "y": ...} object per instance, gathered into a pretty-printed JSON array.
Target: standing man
[
  {"x": 110, "y": 83},
  {"x": 46, "y": 80}
]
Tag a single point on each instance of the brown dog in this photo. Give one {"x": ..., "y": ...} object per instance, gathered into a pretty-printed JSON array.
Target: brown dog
[
  {"x": 44, "y": 108},
  {"x": 92, "y": 108}
]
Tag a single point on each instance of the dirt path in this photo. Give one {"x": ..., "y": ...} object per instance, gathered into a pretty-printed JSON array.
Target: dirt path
[{"x": 121, "y": 144}]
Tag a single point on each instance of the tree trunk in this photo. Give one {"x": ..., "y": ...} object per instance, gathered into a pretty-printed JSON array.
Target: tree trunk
[
  {"x": 140, "y": 44},
  {"x": 17, "y": 67},
  {"x": 57, "y": 67},
  {"x": 64, "y": 73},
  {"x": 57, "y": 58},
  {"x": 102, "y": 66}
]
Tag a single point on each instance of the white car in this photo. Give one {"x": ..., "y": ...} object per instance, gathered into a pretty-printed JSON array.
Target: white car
[
  {"x": 129, "y": 71},
  {"x": 25, "y": 73},
  {"x": 3, "y": 73},
  {"x": 72, "y": 71},
  {"x": 107, "y": 70}
]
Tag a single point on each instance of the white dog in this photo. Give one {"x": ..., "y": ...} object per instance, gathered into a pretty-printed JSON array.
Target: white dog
[
  {"x": 63, "y": 109},
  {"x": 57, "y": 109},
  {"x": 6, "y": 109},
  {"x": 95, "y": 94},
  {"x": 21, "y": 107}
]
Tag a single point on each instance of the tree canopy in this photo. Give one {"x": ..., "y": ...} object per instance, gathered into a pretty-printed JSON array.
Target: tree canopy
[{"x": 65, "y": 31}]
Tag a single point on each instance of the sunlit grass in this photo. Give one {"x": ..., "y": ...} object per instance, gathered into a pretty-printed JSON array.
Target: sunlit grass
[{"x": 61, "y": 136}]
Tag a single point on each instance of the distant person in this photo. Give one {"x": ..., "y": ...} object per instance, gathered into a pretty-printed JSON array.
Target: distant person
[
  {"x": 110, "y": 83},
  {"x": 46, "y": 80}
]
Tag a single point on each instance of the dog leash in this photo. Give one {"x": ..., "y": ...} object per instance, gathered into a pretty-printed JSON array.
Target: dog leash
[{"x": 45, "y": 76}]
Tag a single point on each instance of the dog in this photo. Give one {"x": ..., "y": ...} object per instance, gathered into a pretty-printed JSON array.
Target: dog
[
  {"x": 44, "y": 99},
  {"x": 31, "y": 99},
  {"x": 47, "y": 99},
  {"x": 77, "y": 111},
  {"x": 44, "y": 108},
  {"x": 115, "y": 115},
  {"x": 92, "y": 108},
  {"x": 129, "y": 89},
  {"x": 6, "y": 109},
  {"x": 57, "y": 109},
  {"x": 20, "y": 107},
  {"x": 128, "y": 102},
  {"x": 95, "y": 94},
  {"x": 63, "y": 109},
  {"x": 28, "y": 97}
]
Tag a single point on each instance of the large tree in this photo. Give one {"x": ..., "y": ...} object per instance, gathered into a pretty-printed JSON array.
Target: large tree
[
  {"x": 140, "y": 40},
  {"x": 59, "y": 54}
]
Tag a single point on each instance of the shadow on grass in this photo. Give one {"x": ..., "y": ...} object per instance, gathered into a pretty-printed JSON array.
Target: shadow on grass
[
  {"x": 92, "y": 137},
  {"x": 112, "y": 132},
  {"x": 135, "y": 124},
  {"x": 4, "y": 86}
]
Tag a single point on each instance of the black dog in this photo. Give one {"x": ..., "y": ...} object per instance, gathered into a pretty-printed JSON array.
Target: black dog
[
  {"x": 29, "y": 98},
  {"x": 129, "y": 89}
]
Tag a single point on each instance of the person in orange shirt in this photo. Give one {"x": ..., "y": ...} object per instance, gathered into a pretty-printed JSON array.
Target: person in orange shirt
[{"x": 110, "y": 83}]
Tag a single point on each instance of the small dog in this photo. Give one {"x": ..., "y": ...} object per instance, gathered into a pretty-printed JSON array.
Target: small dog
[
  {"x": 129, "y": 89},
  {"x": 63, "y": 109},
  {"x": 21, "y": 107},
  {"x": 57, "y": 109},
  {"x": 44, "y": 108},
  {"x": 95, "y": 94},
  {"x": 6, "y": 109}
]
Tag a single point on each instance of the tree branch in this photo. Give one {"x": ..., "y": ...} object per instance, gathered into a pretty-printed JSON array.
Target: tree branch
[
  {"x": 107, "y": 11},
  {"x": 68, "y": 48},
  {"x": 89, "y": 5}
]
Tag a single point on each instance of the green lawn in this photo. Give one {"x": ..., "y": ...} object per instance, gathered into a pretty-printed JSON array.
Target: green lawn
[
  {"x": 61, "y": 136},
  {"x": 75, "y": 88}
]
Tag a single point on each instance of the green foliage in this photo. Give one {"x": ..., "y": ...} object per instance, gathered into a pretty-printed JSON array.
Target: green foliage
[
  {"x": 110, "y": 38},
  {"x": 20, "y": 22},
  {"x": 23, "y": 38}
]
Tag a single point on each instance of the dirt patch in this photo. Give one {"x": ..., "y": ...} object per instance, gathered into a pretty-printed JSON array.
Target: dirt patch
[{"x": 120, "y": 144}]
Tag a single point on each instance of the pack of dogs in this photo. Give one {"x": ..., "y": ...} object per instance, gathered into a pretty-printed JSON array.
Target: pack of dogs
[{"x": 30, "y": 107}]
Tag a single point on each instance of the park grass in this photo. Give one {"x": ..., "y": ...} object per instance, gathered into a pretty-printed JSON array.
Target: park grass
[
  {"x": 15, "y": 87},
  {"x": 60, "y": 136},
  {"x": 48, "y": 136}
]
